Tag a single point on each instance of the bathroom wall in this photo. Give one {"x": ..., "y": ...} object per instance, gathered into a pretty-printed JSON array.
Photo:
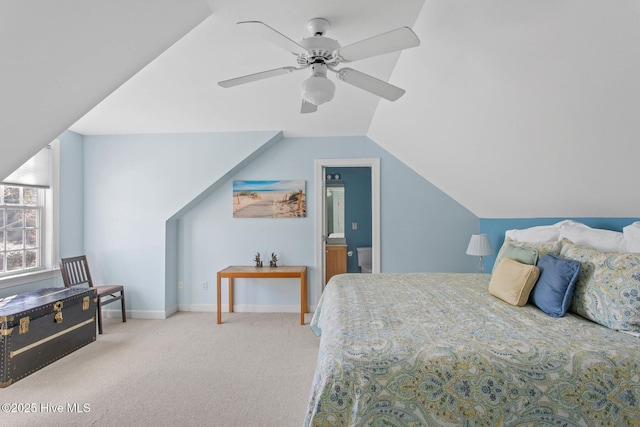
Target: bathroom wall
[{"x": 357, "y": 187}]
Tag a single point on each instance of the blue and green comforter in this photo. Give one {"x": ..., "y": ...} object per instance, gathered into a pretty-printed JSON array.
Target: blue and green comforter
[{"x": 436, "y": 349}]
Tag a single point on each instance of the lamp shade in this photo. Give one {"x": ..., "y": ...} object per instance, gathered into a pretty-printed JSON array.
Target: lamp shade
[
  {"x": 479, "y": 245},
  {"x": 317, "y": 90}
]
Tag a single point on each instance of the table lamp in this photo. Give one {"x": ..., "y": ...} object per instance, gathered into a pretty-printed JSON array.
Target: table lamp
[{"x": 479, "y": 246}]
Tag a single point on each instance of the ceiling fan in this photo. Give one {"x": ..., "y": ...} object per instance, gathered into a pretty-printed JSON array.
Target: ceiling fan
[{"x": 320, "y": 54}]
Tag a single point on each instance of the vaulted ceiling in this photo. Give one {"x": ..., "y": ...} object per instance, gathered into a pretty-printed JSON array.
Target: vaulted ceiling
[
  {"x": 178, "y": 91},
  {"x": 515, "y": 109}
]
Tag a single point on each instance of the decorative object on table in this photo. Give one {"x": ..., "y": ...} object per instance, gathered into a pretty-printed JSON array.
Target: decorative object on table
[
  {"x": 479, "y": 246},
  {"x": 257, "y": 260},
  {"x": 274, "y": 260},
  {"x": 269, "y": 199}
]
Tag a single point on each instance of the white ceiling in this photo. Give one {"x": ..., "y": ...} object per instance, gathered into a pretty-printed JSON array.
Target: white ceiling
[
  {"x": 178, "y": 91},
  {"x": 60, "y": 58},
  {"x": 522, "y": 108}
]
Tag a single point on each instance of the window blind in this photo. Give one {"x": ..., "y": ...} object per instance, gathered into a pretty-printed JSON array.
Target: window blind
[{"x": 35, "y": 172}]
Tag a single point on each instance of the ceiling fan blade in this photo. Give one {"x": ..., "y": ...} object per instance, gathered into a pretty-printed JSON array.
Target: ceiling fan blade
[
  {"x": 263, "y": 30},
  {"x": 308, "y": 107},
  {"x": 370, "y": 84},
  {"x": 392, "y": 41},
  {"x": 257, "y": 76}
]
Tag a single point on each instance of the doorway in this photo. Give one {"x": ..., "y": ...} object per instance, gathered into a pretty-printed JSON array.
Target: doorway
[{"x": 321, "y": 166}]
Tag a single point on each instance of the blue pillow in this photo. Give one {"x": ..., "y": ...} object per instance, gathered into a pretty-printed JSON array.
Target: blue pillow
[{"x": 554, "y": 289}]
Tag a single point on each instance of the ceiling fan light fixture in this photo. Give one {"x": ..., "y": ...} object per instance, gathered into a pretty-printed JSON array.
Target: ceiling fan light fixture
[
  {"x": 320, "y": 54},
  {"x": 317, "y": 90}
]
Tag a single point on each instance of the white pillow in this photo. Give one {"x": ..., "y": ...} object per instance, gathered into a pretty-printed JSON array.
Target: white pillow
[
  {"x": 538, "y": 234},
  {"x": 632, "y": 237},
  {"x": 603, "y": 240}
]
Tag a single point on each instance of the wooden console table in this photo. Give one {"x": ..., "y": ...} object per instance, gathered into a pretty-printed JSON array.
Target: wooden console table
[{"x": 290, "y": 272}]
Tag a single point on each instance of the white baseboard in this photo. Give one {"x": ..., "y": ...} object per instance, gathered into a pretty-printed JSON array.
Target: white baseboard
[
  {"x": 239, "y": 308},
  {"x": 202, "y": 307},
  {"x": 171, "y": 310},
  {"x": 136, "y": 314}
]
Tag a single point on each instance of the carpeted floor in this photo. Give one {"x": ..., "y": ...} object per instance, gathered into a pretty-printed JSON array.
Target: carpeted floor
[{"x": 253, "y": 370}]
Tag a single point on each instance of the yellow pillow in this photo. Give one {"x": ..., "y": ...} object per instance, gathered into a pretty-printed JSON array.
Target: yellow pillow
[{"x": 512, "y": 281}]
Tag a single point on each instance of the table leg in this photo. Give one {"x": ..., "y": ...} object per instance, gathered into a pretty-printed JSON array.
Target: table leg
[
  {"x": 219, "y": 302},
  {"x": 230, "y": 295},
  {"x": 303, "y": 297}
]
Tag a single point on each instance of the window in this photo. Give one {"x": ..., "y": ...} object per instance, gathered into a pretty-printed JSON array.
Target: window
[
  {"x": 28, "y": 220},
  {"x": 21, "y": 229}
]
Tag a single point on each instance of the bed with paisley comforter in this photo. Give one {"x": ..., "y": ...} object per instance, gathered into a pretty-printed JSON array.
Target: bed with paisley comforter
[{"x": 437, "y": 349}]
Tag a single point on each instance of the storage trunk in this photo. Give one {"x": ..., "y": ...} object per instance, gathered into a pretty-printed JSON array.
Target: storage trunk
[{"x": 39, "y": 327}]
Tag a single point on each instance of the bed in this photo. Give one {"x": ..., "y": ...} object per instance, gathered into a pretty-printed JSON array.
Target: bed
[{"x": 439, "y": 349}]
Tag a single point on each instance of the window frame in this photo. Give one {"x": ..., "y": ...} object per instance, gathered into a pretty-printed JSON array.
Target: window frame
[
  {"x": 49, "y": 223},
  {"x": 41, "y": 243}
]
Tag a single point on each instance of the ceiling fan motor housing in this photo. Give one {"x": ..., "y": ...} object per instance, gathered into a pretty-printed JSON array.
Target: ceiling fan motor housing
[{"x": 319, "y": 49}]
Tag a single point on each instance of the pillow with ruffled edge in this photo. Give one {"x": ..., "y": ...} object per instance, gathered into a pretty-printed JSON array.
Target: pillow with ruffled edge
[
  {"x": 608, "y": 287},
  {"x": 581, "y": 234},
  {"x": 632, "y": 237},
  {"x": 512, "y": 281},
  {"x": 537, "y": 234},
  {"x": 554, "y": 289},
  {"x": 541, "y": 248}
]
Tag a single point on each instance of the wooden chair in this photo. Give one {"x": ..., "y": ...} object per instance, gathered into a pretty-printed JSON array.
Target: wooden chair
[{"x": 75, "y": 272}]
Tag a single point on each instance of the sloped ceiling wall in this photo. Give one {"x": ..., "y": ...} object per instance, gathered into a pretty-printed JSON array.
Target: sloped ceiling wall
[
  {"x": 522, "y": 109},
  {"x": 515, "y": 109},
  {"x": 61, "y": 58}
]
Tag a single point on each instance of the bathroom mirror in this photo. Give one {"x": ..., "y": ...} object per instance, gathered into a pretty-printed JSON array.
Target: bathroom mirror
[{"x": 335, "y": 213}]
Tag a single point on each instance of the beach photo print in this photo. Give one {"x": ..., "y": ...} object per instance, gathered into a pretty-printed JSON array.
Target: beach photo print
[{"x": 269, "y": 199}]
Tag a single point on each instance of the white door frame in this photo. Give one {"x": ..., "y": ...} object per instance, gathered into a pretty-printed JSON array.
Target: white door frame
[{"x": 320, "y": 164}]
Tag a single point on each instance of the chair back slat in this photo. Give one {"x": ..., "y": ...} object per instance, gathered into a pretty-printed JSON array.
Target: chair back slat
[{"x": 75, "y": 271}]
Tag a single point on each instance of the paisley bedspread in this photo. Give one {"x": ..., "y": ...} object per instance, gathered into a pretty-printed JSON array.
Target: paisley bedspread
[{"x": 436, "y": 349}]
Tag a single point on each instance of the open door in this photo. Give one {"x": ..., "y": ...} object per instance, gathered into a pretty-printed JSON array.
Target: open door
[
  {"x": 334, "y": 234},
  {"x": 322, "y": 232}
]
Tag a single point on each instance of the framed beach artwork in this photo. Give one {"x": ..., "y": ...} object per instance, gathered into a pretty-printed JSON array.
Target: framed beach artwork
[{"x": 269, "y": 199}]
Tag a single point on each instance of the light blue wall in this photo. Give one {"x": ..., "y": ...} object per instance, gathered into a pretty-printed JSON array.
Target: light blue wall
[
  {"x": 150, "y": 210},
  {"x": 71, "y": 194},
  {"x": 425, "y": 229},
  {"x": 134, "y": 184},
  {"x": 422, "y": 229},
  {"x": 496, "y": 227}
]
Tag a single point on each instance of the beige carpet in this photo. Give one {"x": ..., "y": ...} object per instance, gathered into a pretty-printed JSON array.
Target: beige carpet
[{"x": 253, "y": 370}]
